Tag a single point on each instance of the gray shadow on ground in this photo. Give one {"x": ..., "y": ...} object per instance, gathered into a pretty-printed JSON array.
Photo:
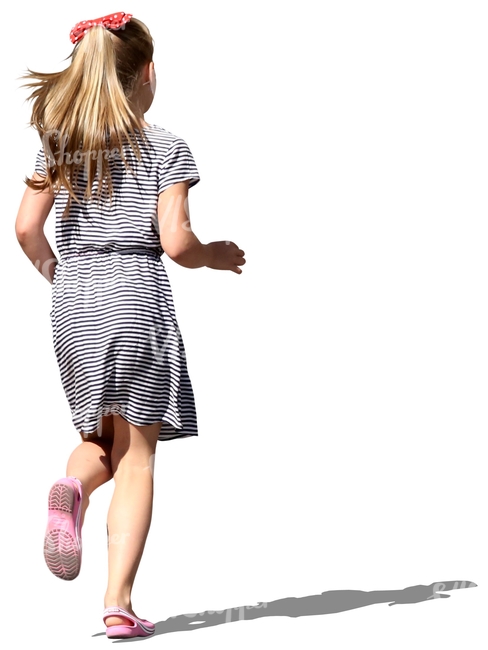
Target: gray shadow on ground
[{"x": 328, "y": 602}]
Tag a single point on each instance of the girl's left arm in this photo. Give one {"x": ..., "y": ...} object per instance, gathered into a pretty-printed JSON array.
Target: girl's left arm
[{"x": 29, "y": 229}]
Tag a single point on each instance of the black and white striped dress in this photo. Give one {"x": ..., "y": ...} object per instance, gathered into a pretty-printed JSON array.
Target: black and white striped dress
[{"x": 115, "y": 333}]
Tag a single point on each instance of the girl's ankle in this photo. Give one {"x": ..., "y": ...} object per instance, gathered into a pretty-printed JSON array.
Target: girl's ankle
[{"x": 117, "y": 601}]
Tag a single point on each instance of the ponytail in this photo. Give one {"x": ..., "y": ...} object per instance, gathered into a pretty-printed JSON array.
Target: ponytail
[{"x": 83, "y": 113}]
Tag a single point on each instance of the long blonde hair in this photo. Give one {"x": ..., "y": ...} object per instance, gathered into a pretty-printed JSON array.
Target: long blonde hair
[{"x": 83, "y": 113}]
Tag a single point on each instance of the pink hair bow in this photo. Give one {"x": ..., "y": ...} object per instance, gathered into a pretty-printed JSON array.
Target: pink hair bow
[{"x": 112, "y": 21}]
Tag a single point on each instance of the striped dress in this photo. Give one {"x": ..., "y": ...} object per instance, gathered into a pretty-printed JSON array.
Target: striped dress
[{"x": 116, "y": 337}]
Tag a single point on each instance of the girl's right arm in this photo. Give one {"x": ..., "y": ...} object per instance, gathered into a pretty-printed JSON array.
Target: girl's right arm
[
  {"x": 29, "y": 228},
  {"x": 179, "y": 241}
]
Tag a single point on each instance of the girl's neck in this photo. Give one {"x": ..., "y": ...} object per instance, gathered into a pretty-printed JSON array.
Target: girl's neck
[{"x": 139, "y": 114}]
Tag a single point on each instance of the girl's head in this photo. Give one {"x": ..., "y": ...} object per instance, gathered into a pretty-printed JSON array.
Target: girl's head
[
  {"x": 131, "y": 44},
  {"x": 94, "y": 106}
]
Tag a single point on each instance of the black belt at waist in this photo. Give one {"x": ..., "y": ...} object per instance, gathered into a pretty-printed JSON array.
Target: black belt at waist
[{"x": 119, "y": 251}]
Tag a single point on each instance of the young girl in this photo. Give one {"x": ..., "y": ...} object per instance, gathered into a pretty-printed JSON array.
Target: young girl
[{"x": 120, "y": 190}]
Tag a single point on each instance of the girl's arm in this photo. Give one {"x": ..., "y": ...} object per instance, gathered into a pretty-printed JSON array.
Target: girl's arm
[
  {"x": 181, "y": 244},
  {"x": 29, "y": 229}
]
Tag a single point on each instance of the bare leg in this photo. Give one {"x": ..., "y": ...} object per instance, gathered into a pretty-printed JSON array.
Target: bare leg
[
  {"x": 130, "y": 512},
  {"x": 90, "y": 462}
]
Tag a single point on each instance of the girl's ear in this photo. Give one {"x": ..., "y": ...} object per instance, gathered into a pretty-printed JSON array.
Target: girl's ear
[{"x": 152, "y": 78}]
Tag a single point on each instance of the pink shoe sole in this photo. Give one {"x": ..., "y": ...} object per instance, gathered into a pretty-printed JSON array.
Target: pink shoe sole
[
  {"x": 62, "y": 541},
  {"x": 140, "y": 626}
]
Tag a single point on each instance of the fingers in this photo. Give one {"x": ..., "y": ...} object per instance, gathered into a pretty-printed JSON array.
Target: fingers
[
  {"x": 230, "y": 259},
  {"x": 239, "y": 261}
]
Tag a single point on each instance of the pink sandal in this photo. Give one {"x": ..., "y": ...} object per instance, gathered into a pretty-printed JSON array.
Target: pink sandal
[
  {"x": 140, "y": 626},
  {"x": 62, "y": 541}
]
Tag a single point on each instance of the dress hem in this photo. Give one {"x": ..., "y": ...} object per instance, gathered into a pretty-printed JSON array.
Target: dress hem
[{"x": 162, "y": 437}]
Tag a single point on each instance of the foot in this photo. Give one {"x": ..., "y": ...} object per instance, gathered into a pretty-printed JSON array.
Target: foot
[
  {"x": 62, "y": 540},
  {"x": 119, "y": 620},
  {"x": 122, "y": 629}
]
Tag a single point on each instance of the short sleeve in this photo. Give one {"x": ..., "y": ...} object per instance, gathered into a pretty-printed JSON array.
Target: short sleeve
[
  {"x": 40, "y": 166},
  {"x": 178, "y": 165}
]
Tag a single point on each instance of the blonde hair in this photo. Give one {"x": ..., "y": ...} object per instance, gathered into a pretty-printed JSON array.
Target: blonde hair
[{"x": 85, "y": 110}]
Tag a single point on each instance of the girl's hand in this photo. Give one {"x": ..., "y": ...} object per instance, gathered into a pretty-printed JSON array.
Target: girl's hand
[{"x": 225, "y": 256}]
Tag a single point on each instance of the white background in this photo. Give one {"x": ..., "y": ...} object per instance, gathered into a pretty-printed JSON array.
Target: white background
[{"x": 340, "y": 380}]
